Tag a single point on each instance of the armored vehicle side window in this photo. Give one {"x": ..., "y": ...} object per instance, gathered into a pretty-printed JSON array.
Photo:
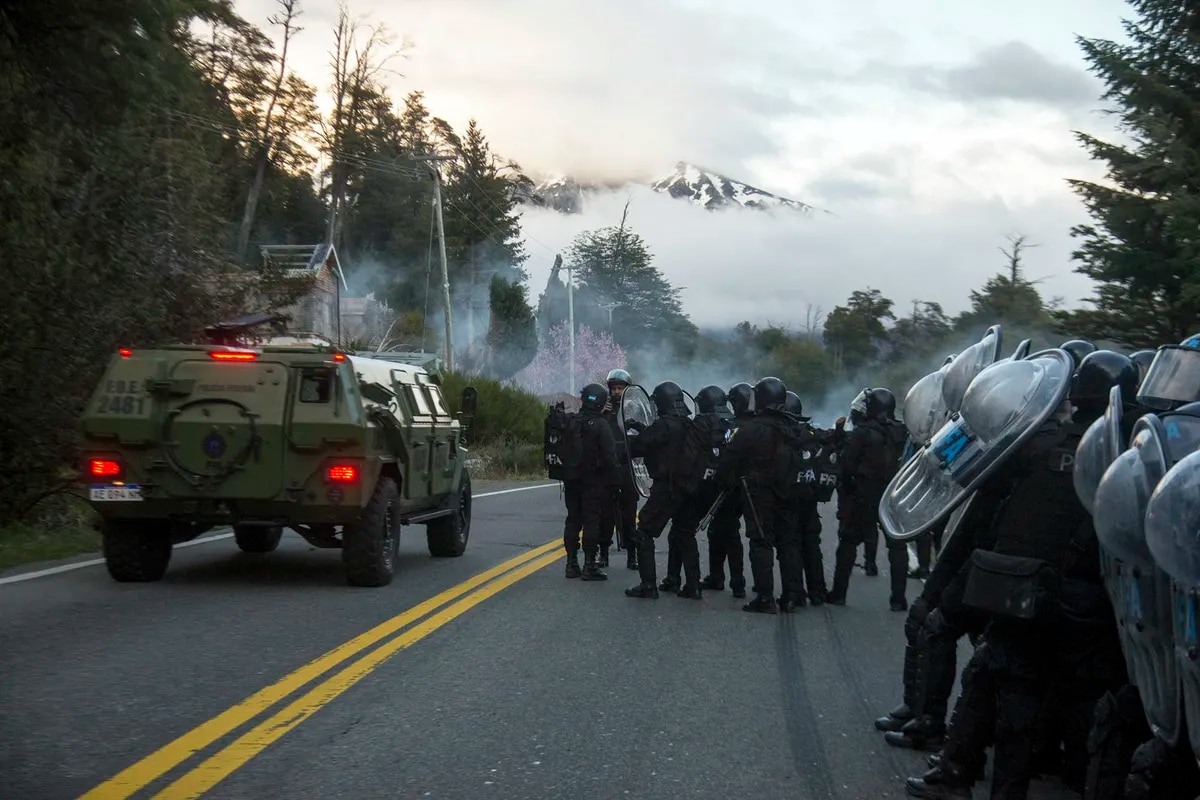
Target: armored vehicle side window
[
  {"x": 439, "y": 403},
  {"x": 316, "y": 387},
  {"x": 417, "y": 398}
]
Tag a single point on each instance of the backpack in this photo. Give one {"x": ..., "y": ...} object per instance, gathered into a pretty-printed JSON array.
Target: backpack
[
  {"x": 703, "y": 442},
  {"x": 824, "y": 462},
  {"x": 804, "y": 468},
  {"x": 562, "y": 446}
]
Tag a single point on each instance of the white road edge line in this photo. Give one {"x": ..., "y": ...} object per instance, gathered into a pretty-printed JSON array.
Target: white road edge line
[{"x": 43, "y": 573}]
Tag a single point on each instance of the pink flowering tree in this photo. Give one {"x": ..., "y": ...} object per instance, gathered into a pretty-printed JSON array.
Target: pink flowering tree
[{"x": 550, "y": 370}]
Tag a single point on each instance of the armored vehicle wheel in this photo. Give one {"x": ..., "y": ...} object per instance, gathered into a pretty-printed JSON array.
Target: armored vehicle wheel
[
  {"x": 257, "y": 539},
  {"x": 448, "y": 535},
  {"x": 370, "y": 546},
  {"x": 136, "y": 550}
]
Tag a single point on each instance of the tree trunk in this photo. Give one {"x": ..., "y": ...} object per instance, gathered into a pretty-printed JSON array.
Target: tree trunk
[{"x": 260, "y": 176}]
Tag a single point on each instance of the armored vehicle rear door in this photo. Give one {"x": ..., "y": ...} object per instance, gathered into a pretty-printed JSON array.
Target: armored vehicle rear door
[
  {"x": 418, "y": 477},
  {"x": 445, "y": 440},
  {"x": 224, "y": 425}
]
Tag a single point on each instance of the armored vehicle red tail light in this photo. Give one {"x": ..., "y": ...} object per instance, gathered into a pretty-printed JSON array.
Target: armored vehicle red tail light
[
  {"x": 219, "y": 355},
  {"x": 104, "y": 468},
  {"x": 342, "y": 473}
]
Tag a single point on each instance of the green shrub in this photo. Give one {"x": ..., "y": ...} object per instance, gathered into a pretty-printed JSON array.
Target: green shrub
[
  {"x": 503, "y": 412},
  {"x": 510, "y": 458}
]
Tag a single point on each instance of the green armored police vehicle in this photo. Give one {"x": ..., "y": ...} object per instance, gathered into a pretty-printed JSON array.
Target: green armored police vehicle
[{"x": 341, "y": 448}]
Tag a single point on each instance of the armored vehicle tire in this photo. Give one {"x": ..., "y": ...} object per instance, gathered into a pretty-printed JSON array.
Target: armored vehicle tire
[
  {"x": 448, "y": 536},
  {"x": 136, "y": 551},
  {"x": 257, "y": 539},
  {"x": 370, "y": 547}
]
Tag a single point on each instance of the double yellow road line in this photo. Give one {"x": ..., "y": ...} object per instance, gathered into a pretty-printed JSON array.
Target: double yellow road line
[{"x": 225, "y": 761}]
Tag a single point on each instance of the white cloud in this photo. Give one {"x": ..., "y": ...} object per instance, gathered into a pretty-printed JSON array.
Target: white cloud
[{"x": 931, "y": 129}]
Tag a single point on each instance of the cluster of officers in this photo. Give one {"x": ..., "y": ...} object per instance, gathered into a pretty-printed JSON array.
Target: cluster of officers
[
  {"x": 1052, "y": 687},
  {"x": 1084, "y": 663},
  {"x": 747, "y": 454}
]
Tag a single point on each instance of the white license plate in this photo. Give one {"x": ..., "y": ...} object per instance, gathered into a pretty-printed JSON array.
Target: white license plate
[{"x": 109, "y": 494}]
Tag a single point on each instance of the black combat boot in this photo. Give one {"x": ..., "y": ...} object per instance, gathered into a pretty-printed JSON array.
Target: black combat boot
[
  {"x": 647, "y": 588},
  {"x": 871, "y": 570},
  {"x": 737, "y": 586},
  {"x": 788, "y": 604},
  {"x": 591, "y": 570},
  {"x": 713, "y": 582},
  {"x": 690, "y": 591},
  {"x": 922, "y": 733},
  {"x": 943, "y": 781},
  {"x": 763, "y": 604},
  {"x": 602, "y": 561},
  {"x": 895, "y": 719},
  {"x": 670, "y": 584},
  {"x": 573, "y": 570}
]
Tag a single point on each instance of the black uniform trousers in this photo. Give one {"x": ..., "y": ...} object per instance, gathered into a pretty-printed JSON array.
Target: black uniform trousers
[
  {"x": 1080, "y": 658},
  {"x": 668, "y": 504},
  {"x": 588, "y": 502},
  {"x": 622, "y": 512},
  {"x": 725, "y": 542},
  {"x": 937, "y": 648},
  {"x": 973, "y": 723},
  {"x": 770, "y": 527},
  {"x": 859, "y": 524},
  {"x": 812, "y": 562}
]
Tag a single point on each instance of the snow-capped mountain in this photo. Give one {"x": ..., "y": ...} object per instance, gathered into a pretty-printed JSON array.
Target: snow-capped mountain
[{"x": 701, "y": 187}]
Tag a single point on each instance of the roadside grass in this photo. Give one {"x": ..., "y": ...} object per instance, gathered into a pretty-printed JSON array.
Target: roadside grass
[
  {"x": 507, "y": 458},
  {"x": 59, "y": 528}
]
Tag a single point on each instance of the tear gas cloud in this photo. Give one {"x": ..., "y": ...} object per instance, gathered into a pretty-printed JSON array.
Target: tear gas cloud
[{"x": 778, "y": 267}]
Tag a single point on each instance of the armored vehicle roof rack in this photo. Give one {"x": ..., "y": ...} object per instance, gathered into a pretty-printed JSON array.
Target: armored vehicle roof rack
[{"x": 232, "y": 333}]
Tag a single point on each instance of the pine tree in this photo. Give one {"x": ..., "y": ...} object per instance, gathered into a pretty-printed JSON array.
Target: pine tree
[
  {"x": 855, "y": 331},
  {"x": 481, "y": 213},
  {"x": 512, "y": 332},
  {"x": 615, "y": 273},
  {"x": 1142, "y": 248}
]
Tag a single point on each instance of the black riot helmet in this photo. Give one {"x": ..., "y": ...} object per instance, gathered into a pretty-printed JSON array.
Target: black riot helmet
[
  {"x": 792, "y": 406},
  {"x": 1097, "y": 373},
  {"x": 741, "y": 398},
  {"x": 1078, "y": 348},
  {"x": 594, "y": 397},
  {"x": 711, "y": 399},
  {"x": 1142, "y": 359},
  {"x": 880, "y": 403},
  {"x": 668, "y": 399},
  {"x": 770, "y": 394}
]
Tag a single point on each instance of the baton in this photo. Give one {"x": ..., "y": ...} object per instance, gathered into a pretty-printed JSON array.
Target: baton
[
  {"x": 707, "y": 519},
  {"x": 753, "y": 511},
  {"x": 618, "y": 523}
]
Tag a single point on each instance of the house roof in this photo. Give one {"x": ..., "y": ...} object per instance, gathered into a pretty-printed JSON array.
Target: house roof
[{"x": 302, "y": 259}]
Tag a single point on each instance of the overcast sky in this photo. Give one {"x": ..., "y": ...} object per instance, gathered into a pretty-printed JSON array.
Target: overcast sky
[{"x": 930, "y": 129}]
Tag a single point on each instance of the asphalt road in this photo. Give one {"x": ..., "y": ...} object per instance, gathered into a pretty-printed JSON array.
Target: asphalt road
[{"x": 532, "y": 686}]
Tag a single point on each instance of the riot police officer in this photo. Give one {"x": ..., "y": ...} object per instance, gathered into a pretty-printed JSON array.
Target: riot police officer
[
  {"x": 752, "y": 465},
  {"x": 626, "y": 495},
  {"x": 724, "y": 534},
  {"x": 598, "y": 475},
  {"x": 873, "y": 451},
  {"x": 1071, "y": 634},
  {"x": 660, "y": 444}
]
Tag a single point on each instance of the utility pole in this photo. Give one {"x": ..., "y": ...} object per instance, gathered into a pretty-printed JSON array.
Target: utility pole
[
  {"x": 437, "y": 208},
  {"x": 609, "y": 308},
  {"x": 571, "y": 321}
]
